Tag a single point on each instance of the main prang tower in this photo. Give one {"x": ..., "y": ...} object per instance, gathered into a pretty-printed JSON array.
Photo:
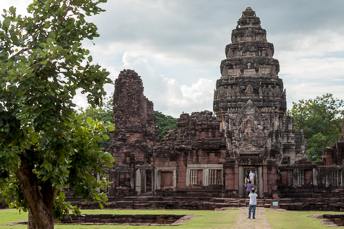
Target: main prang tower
[{"x": 250, "y": 103}]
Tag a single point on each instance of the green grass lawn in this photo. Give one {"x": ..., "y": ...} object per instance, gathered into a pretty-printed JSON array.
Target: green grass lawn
[
  {"x": 281, "y": 219},
  {"x": 200, "y": 219},
  {"x": 278, "y": 219}
]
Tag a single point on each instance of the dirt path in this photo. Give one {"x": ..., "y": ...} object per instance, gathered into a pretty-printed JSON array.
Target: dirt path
[{"x": 260, "y": 222}]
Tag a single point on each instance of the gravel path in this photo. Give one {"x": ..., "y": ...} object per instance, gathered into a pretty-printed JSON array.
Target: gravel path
[{"x": 260, "y": 222}]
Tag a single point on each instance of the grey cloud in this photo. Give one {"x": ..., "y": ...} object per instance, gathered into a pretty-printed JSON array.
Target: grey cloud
[
  {"x": 198, "y": 30},
  {"x": 195, "y": 25},
  {"x": 184, "y": 40}
]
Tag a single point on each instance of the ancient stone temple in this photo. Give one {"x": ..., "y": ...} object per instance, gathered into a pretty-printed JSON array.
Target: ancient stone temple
[{"x": 248, "y": 137}]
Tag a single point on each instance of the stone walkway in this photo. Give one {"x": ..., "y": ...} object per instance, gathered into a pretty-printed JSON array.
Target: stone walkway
[{"x": 260, "y": 222}]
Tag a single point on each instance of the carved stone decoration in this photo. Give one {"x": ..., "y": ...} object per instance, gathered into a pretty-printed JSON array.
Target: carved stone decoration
[
  {"x": 270, "y": 91},
  {"x": 260, "y": 92},
  {"x": 249, "y": 90},
  {"x": 277, "y": 92},
  {"x": 247, "y": 131}
]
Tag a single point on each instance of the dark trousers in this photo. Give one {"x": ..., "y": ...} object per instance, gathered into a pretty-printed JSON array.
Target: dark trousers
[{"x": 252, "y": 209}]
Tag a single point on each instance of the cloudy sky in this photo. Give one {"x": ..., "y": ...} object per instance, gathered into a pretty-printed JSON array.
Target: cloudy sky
[{"x": 177, "y": 46}]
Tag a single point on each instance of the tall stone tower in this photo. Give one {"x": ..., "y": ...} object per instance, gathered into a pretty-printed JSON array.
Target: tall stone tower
[{"x": 250, "y": 103}]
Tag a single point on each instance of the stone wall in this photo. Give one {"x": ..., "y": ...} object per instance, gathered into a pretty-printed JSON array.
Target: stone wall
[{"x": 194, "y": 147}]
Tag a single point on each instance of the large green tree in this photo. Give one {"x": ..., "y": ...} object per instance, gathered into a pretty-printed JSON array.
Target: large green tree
[
  {"x": 320, "y": 119},
  {"x": 44, "y": 145}
]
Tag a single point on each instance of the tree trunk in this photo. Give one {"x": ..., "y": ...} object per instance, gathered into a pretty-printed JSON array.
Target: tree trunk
[
  {"x": 39, "y": 197},
  {"x": 40, "y": 220}
]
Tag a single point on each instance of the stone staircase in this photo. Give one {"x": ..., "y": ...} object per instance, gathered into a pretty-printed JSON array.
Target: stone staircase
[
  {"x": 325, "y": 204},
  {"x": 312, "y": 199}
]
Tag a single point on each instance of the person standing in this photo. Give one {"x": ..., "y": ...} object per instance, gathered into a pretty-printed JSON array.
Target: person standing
[
  {"x": 252, "y": 204},
  {"x": 249, "y": 187}
]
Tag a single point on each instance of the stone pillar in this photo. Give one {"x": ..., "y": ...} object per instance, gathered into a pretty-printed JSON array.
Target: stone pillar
[
  {"x": 143, "y": 180},
  {"x": 138, "y": 181},
  {"x": 132, "y": 177},
  {"x": 157, "y": 179},
  {"x": 174, "y": 179},
  {"x": 265, "y": 180},
  {"x": 241, "y": 181},
  {"x": 236, "y": 179},
  {"x": 272, "y": 180},
  {"x": 181, "y": 173},
  {"x": 153, "y": 181},
  {"x": 260, "y": 182},
  {"x": 206, "y": 177},
  {"x": 230, "y": 178},
  {"x": 187, "y": 178},
  {"x": 315, "y": 177},
  {"x": 295, "y": 177}
]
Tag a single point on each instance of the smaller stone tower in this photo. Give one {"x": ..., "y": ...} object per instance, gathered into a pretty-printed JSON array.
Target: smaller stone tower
[{"x": 134, "y": 137}]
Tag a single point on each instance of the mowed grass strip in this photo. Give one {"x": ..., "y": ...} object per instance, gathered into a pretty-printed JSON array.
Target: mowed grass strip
[
  {"x": 200, "y": 219},
  {"x": 282, "y": 219}
]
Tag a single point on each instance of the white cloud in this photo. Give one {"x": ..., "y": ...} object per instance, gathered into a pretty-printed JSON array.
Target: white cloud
[
  {"x": 188, "y": 98},
  {"x": 312, "y": 64},
  {"x": 21, "y": 5},
  {"x": 168, "y": 94}
]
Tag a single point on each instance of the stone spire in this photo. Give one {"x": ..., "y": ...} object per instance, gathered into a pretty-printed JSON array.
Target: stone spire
[
  {"x": 249, "y": 70},
  {"x": 249, "y": 54},
  {"x": 249, "y": 18},
  {"x": 132, "y": 110}
]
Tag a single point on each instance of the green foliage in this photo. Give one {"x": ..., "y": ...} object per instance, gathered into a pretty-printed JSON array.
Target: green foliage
[
  {"x": 42, "y": 65},
  {"x": 164, "y": 123},
  {"x": 320, "y": 119},
  {"x": 104, "y": 113}
]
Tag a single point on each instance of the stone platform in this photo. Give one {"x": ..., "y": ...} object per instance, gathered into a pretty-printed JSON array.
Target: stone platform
[
  {"x": 211, "y": 203},
  {"x": 175, "y": 202}
]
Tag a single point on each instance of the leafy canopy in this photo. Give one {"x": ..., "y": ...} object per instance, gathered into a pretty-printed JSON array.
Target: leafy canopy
[
  {"x": 320, "y": 119},
  {"x": 103, "y": 113},
  {"x": 164, "y": 123},
  {"x": 42, "y": 65}
]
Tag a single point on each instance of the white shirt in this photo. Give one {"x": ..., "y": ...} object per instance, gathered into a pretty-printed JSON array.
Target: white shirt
[{"x": 253, "y": 198}]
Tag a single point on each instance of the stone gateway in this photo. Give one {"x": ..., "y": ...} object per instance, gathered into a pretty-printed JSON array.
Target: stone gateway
[{"x": 248, "y": 137}]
